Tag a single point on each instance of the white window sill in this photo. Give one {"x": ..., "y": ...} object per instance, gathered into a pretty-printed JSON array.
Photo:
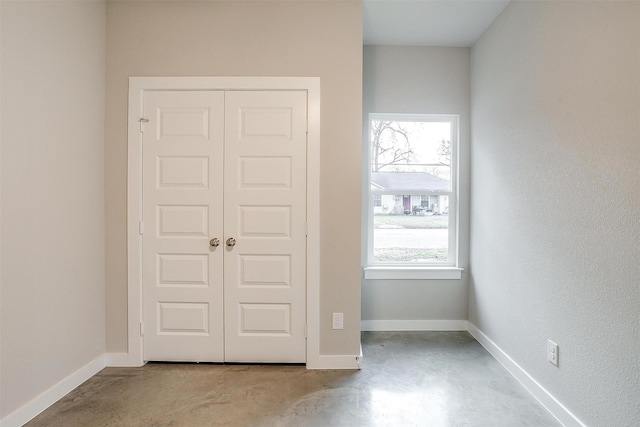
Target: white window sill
[{"x": 413, "y": 273}]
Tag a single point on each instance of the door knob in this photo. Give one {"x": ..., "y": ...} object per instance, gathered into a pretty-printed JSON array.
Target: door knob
[
  {"x": 231, "y": 241},
  {"x": 215, "y": 242}
]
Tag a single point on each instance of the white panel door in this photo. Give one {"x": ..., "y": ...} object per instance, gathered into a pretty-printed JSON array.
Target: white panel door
[
  {"x": 183, "y": 146},
  {"x": 265, "y": 213},
  {"x": 231, "y": 169}
]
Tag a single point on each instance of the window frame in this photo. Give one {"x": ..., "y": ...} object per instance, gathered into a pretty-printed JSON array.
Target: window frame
[{"x": 409, "y": 270}]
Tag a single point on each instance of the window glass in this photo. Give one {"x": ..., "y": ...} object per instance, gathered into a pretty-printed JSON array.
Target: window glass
[{"x": 412, "y": 188}]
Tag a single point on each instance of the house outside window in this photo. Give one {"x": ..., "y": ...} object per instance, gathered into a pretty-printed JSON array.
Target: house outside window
[{"x": 412, "y": 171}]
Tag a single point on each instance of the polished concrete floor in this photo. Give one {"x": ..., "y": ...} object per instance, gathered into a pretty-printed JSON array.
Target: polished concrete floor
[{"x": 408, "y": 379}]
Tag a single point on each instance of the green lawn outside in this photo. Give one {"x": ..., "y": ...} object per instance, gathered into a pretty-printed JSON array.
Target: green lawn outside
[{"x": 410, "y": 221}]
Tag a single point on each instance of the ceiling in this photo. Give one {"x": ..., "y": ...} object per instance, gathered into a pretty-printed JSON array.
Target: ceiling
[{"x": 428, "y": 22}]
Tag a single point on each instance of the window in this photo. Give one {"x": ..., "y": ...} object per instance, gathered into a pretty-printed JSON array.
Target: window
[{"x": 412, "y": 172}]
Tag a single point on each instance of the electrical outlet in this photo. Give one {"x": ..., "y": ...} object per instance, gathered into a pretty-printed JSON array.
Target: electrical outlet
[
  {"x": 338, "y": 321},
  {"x": 552, "y": 352}
]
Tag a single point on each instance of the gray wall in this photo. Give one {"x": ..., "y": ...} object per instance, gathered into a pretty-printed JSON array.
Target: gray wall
[
  {"x": 279, "y": 38},
  {"x": 430, "y": 80},
  {"x": 52, "y": 199},
  {"x": 556, "y": 155}
]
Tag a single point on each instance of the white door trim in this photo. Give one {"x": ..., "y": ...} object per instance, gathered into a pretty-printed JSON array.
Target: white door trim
[{"x": 137, "y": 86}]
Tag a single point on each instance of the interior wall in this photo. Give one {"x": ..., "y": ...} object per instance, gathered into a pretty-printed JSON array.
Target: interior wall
[
  {"x": 429, "y": 80},
  {"x": 555, "y": 231},
  {"x": 280, "y": 38},
  {"x": 52, "y": 244}
]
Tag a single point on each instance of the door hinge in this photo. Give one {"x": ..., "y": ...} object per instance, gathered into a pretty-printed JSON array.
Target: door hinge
[
  {"x": 306, "y": 229},
  {"x": 306, "y": 331},
  {"x": 142, "y": 122},
  {"x": 141, "y": 329},
  {"x": 141, "y": 227}
]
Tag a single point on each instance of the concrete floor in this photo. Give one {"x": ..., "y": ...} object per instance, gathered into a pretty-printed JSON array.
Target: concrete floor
[{"x": 409, "y": 379}]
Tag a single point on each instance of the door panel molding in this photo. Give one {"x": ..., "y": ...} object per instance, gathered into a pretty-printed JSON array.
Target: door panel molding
[
  {"x": 137, "y": 87},
  {"x": 182, "y": 210},
  {"x": 265, "y": 220}
]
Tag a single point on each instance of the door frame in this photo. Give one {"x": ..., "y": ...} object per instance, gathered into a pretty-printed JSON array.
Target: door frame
[{"x": 137, "y": 87}]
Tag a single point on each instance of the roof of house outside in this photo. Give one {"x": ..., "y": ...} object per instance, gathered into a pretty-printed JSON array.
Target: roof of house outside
[{"x": 391, "y": 181}]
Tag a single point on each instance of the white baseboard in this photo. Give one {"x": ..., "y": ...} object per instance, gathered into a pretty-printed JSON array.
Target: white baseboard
[
  {"x": 413, "y": 325},
  {"x": 122, "y": 360},
  {"x": 30, "y": 410},
  {"x": 557, "y": 409}
]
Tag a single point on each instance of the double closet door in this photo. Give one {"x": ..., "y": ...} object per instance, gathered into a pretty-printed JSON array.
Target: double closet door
[{"x": 224, "y": 226}]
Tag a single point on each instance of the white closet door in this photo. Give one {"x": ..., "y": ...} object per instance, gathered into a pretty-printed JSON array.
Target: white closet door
[
  {"x": 183, "y": 154},
  {"x": 265, "y": 212}
]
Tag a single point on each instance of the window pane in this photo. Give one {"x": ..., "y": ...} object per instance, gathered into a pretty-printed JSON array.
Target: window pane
[
  {"x": 411, "y": 183},
  {"x": 411, "y": 229},
  {"x": 420, "y": 151}
]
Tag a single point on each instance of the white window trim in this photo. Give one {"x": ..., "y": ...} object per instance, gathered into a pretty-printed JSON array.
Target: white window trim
[
  {"x": 397, "y": 271},
  {"x": 412, "y": 273}
]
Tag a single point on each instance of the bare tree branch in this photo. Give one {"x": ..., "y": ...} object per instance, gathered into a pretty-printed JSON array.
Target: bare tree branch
[
  {"x": 390, "y": 145},
  {"x": 444, "y": 151}
]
